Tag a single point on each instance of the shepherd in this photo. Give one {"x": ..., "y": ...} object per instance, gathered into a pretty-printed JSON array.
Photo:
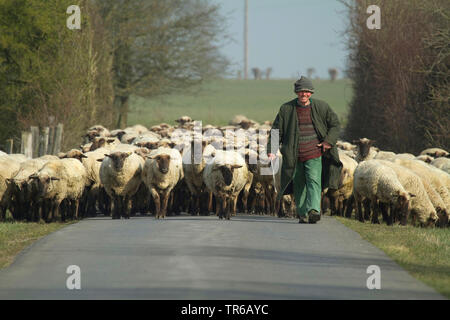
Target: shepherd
[{"x": 308, "y": 131}]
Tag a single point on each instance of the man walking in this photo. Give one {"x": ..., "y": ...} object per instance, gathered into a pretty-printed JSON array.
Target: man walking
[{"x": 308, "y": 131}]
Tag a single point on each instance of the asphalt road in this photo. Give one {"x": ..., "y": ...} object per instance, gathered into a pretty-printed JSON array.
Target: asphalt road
[{"x": 184, "y": 257}]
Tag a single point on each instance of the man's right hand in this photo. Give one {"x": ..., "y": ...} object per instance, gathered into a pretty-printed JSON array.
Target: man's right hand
[{"x": 271, "y": 156}]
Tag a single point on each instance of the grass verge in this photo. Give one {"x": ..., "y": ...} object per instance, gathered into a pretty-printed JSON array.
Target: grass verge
[
  {"x": 424, "y": 253},
  {"x": 15, "y": 236}
]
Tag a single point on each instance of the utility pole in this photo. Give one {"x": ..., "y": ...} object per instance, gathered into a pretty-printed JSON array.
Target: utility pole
[{"x": 246, "y": 41}]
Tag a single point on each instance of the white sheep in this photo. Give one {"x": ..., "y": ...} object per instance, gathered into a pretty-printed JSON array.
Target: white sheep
[
  {"x": 193, "y": 166},
  {"x": 341, "y": 198},
  {"x": 60, "y": 180},
  {"x": 8, "y": 168},
  {"x": 163, "y": 169},
  {"x": 435, "y": 152},
  {"x": 442, "y": 163},
  {"x": 364, "y": 149},
  {"x": 438, "y": 179},
  {"x": 24, "y": 198},
  {"x": 121, "y": 176},
  {"x": 421, "y": 205},
  {"x": 378, "y": 183},
  {"x": 225, "y": 176}
]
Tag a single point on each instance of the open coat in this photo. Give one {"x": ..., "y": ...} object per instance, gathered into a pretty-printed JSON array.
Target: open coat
[{"x": 326, "y": 124}]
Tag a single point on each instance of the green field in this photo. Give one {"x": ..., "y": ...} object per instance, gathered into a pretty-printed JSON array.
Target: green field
[{"x": 218, "y": 101}]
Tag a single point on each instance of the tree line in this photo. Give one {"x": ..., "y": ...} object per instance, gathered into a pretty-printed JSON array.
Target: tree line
[
  {"x": 400, "y": 74},
  {"x": 50, "y": 74}
]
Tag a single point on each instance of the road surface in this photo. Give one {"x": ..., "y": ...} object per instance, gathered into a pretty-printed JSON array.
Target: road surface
[{"x": 184, "y": 257}]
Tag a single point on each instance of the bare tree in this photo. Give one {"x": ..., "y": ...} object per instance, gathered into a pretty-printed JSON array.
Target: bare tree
[
  {"x": 256, "y": 73},
  {"x": 333, "y": 72},
  {"x": 310, "y": 72},
  {"x": 160, "y": 46}
]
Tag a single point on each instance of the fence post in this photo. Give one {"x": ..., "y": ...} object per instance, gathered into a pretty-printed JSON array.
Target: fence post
[
  {"x": 26, "y": 146},
  {"x": 35, "y": 139},
  {"x": 9, "y": 146},
  {"x": 58, "y": 138},
  {"x": 51, "y": 140},
  {"x": 43, "y": 142}
]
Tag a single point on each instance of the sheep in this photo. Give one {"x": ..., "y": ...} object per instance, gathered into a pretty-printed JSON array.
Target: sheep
[
  {"x": 225, "y": 176},
  {"x": 345, "y": 145},
  {"x": 95, "y": 190},
  {"x": 341, "y": 197},
  {"x": 193, "y": 174},
  {"x": 121, "y": 176},
  {"x": 435, "y": 152},
  {"x": 104, "y": 142},
  {"x": 376, "y": 182},
  {"x": 163, "y": 169},
  {"x": 382, "y": 155},
  {"x": 184, "y": 120},
  {"x": 60, "y": 180},
  {"x": 8, "y": 168},
  {"x": 74, "y": 154},
  {"x": 438, "y": 179},
  {"x": 21, "y": 192},
  {"x": 421, "y": 206},
  {"x": 364, "y": 149},
  {"x": 425, "y": 158},
  {"x": 442, "y": 163}
]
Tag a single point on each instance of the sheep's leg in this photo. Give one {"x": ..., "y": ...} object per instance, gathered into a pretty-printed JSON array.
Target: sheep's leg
[
  {"x": 359, "y": 212},
  {"x": 366, "y": 204},
  {"x": 384, "y": 211},
  {"x": 253, "y": 205},
  {"x": 210, "y": 204},
  {"x": 349, "y": 209},
  {"x": 116, "y": 210},
  {"x": 165, "y": 197},
  {"x": 76, "y": 205},
  {"x": 231, "y": 208},
  {"x": 375, "y": 211},
  {"x": 157, "y": 202}
]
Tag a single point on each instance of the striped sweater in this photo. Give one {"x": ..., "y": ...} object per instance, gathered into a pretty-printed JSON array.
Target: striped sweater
[{"x": 308, "y": 142}]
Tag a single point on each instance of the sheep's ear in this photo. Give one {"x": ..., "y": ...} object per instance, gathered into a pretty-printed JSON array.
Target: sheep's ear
[
  {"x": 236, "y": 166},
  {"x": 33, "y": 176},
  {"x": 110, "y": 140},
  {"x": 83, "y": 156},
  {"x": 100, "y": 160},
  {"x": 412, "y": 195},
  {"x": 55, "y": 179}
]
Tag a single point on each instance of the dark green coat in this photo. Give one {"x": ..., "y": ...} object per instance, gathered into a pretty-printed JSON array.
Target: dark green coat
[{"x": 326, "y": 124}]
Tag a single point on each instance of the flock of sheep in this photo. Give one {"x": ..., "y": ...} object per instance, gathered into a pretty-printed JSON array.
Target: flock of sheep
[{"x": 166, "y": 170}]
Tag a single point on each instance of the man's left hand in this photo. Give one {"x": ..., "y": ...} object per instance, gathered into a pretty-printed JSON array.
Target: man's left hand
[{"x": 325, "y": 146}]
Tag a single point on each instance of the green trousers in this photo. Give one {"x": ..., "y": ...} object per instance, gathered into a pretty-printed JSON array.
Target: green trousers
[{"x": 307, "y": 186}]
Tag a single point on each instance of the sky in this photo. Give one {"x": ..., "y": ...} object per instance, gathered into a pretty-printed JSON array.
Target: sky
[{"x": 287, "y": 35}]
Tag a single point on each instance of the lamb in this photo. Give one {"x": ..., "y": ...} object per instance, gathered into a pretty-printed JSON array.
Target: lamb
[
  {"x": 225, "y": 176},
  {"x": 8, "y": 168},
  {"x": 435, "y": 152},
  {"x": 376, "y": 182},
  {"x": 121, "y": 176},
  {"x": 341, "y": 198},
  {"x": 364, "y": 149},
  {"x": 60, "y": 180},
  {"x": 163, "y": 169},
  {"x": 421, "y": 206},
  {"x": 442, "y": 163}
]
